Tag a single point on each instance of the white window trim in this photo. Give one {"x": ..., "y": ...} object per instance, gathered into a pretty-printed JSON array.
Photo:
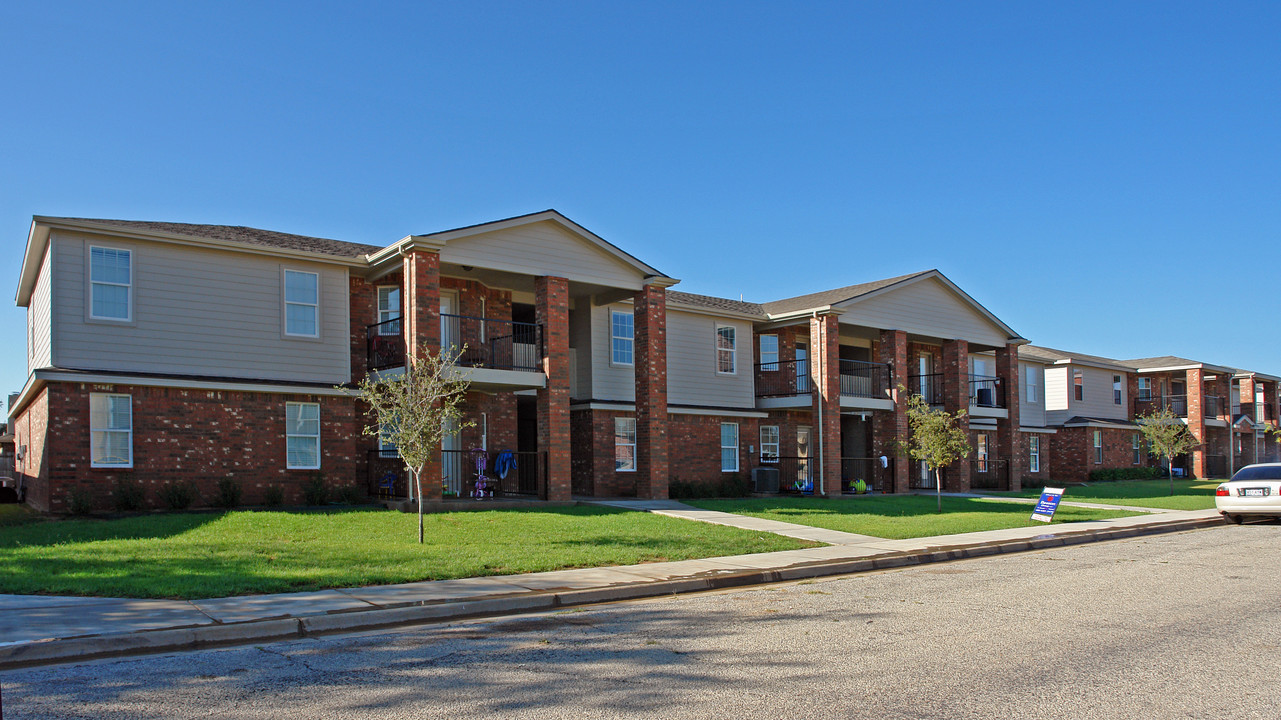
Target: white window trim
[
  {"x": 1118, "y": 389},
  {"x": 631, "y": 444},
  {"x": 613, "y": 360},
  {"x": 92, "y": 430},
  {"x": 289, "y": 435},
  {"x": 1034, "y": 454},
  {"x": 761, "y": 346},
  {"x": 285, "y": 303},
  {"x": 1137, "y": 445},
  {"x": 399, "y": 311},
  {"x": 128, "y": 288},
  {"x": 1098, "y": 447},
  {"x": 777, "y": 443},
  {"x": 1078, "y": 375},
  {"x": 733, "y": 351},
  {"x": 980, "y": 451},
  {"x": 725, "y": 447}
]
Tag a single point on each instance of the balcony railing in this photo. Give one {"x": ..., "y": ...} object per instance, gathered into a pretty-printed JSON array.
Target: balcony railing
[
  {"x": 1211, "y": 405},
  {"x": 490, "y": 343},
  {"x": 506, "y": 473},
  {"x": 870, "y": 470},
  {"x": 929, "y": 387},
  {"x": 990, "y": 474},
  {"x": 783, "y": 378},
  {"x": 987, "y": 391},
  {"x": 865, "y": 379}
]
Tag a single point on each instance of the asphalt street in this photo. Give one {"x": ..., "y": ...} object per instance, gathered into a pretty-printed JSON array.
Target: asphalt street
[{"x": 1184, "y": 625}]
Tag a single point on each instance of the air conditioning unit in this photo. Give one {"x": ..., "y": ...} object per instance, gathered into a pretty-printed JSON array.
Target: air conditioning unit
[
  {"x": 765, "y": 479},
  {"x": 986, "y": 397}
]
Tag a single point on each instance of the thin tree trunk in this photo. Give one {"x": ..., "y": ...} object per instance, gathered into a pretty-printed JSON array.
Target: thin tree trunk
[
  {"x": 938, "y": 486},
  {"x": 1169, "y": 469},
  {"x": 418, "y": 483}
]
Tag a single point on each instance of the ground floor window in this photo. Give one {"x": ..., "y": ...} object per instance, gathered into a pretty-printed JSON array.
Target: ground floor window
[
  {"x": 625, "y": 444},
  {"x": 302, "y": 436},
  {"x": 981, "y": 452},
  {"x": 769, "y": 443},
  {"x": 111, "y": 430},
  {"x": 1098, "y": 447},
  {"x": 1137, "y": 441},
  {"x": 1034, "y": 454},
  {"x": 729, "y": 447}
]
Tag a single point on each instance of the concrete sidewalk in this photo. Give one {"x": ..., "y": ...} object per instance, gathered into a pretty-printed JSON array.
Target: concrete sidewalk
[{"x": 48, "y": 629}]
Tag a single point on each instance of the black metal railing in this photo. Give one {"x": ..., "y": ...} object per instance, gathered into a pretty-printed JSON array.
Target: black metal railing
[
  {"x": 1176, "y": 404},
  {"x": 386, "y": 475},
  {"x": 490, "y": 343},
  {"x": 1216, "y": 466},
  {"x": 990, "y": 474},
  {"x": 865, "y": 379},
  {"x": 1212, "y": 406},
  {"x": 987, "y": 391},
  {"x": 506, "y": 472},
  {"x": 795, "y": 474},
  {"x": 878, "y": 477},
  {"x": 385, "y": 345},
  {"x": 929, "y": 387},
  {"x": 783, "y": 378}
]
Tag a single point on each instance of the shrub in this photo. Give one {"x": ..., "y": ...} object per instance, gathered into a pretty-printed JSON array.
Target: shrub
[
  {"x": 273, "y": 496},
  {"x": 351, "y": 495},
  {"x": 229, "y": 493},
  {"x": 314, "y": 491},
  {"x": 80, "y": 501},
  {"x": 128, "y": 495},
  {"x": 178, "y": 495},
  {"x": 1130, "y": 473},
  {"x": 726, "y": 487}
]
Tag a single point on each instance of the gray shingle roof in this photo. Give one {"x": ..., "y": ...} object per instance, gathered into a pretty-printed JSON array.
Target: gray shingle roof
[
  {"x": 715, "y": 303},
  {"x": 1045, "y": 354},
  {"x": 831, "y": 297},
  {"x": 241, "y": 234},
  {"x": 1156, "y": 362}
]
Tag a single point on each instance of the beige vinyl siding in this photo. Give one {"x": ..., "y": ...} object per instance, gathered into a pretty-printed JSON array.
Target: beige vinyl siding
[
  {"x": 691, "y": 362},
  {"x": 542, "y": 249},
  {"x": 925, "y": 308},
  {"x": 39, "y": 318},
  {"x": 1031, "y": 414},
  {"x": 580, "y": 350},
  {"x": 1098, "y": 395},
  {"x": 1056, "y": 395},
  {"x": 608, "y": 381},
  {"x": 200, "y": 312}
]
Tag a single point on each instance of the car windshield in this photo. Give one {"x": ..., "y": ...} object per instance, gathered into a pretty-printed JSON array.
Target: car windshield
[{"x": 1259, "y": 472}]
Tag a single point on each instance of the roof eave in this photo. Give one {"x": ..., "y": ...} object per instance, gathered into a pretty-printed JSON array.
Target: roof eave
[{"x": 37, "y": 242}]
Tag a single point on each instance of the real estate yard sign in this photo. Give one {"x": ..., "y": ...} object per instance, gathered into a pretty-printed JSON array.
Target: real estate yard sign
[{"x": 1048, "y": 503}]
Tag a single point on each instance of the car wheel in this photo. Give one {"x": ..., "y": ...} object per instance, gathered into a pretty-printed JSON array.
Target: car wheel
[{"x": 1234, "y": 519}]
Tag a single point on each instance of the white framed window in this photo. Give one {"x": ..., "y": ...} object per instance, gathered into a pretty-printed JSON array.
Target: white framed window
[
  {"x": 1078, "y": 386},
  {"x": 1145, "y": 388},
  {"x": 302, "y": 436},
  {"x": 1033, "y": 383},
  {"x": 1034, "y": 454},
  {"x": 388, "y": 309},
  {"x": 729, "y": 447},
  {"x": 769, "y": 352},
  {"x": 622, "y": 334},
  {"x": 1118, "y": 393},
  {"x": 981, "y": 452},
  {"x": 111, "y": 430},
  {"x": 302, "y": 303},
  {"x": 769, "y": 443},
  {"x": 110, "y": 283},
  {"x": 1137, "y": 441},
  {"x": 624, "y": 444},
  {"x": 726, "y": 352},
  {"x": 1098, "y": 447}
]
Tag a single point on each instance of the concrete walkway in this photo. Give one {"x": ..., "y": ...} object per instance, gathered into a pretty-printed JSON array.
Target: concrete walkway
[{"x": 46, "y": 629}]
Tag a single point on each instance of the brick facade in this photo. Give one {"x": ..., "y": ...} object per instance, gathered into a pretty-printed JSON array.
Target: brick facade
[{"x": 1073, "y": 457}]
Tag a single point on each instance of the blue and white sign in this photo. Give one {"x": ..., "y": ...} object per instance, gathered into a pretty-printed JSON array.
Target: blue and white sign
[{"x": 1048, "y": 503}]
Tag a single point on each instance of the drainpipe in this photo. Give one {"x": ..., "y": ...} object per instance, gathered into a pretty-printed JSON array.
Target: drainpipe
[{"x": 822, "y": 373}]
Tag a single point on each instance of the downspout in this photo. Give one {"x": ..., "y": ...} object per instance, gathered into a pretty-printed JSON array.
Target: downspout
[{"x": 822, "y": 374}]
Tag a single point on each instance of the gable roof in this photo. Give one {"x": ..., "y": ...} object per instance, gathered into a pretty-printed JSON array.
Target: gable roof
[
  {"x": 737, "y": 307},
  {"x": 1171, "y": 362},
  {"x": 1062, "y": 357},
  {"x": 227, "y": 233},
  {"x": 831, "y": 297}
]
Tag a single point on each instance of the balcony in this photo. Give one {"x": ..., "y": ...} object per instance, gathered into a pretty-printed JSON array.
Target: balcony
[
  {"x": 783, "y": 378},
  {"x": 929, "y": 387},
  {"x": 489, "y": 343},
  {"x": 1211, "y": 405},
  {"x": 987, "y": 391},
  {"x": 865, "y": 379}
]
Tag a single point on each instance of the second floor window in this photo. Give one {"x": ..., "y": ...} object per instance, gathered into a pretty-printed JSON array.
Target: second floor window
[
  {"x": 1033, "y": 383},
  {"x": 1117, "y": 392},
  {"x": 1145, "y": 388},
  {"x": 1078, "y": 389},
  {"x": 725, "y": 349},
  {"x": 388, "y": 310},
  {"x": 622, "y": 336},
  {"x": 111, "y": 284},
  {"x": 769, "y": 352},
  {"x": 302, "y": 303}
]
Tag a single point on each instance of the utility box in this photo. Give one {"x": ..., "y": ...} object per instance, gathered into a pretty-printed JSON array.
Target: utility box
[{"x": 765, "y": 479}]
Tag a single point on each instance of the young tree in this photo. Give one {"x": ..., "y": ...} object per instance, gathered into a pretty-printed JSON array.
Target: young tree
[
  {"x": 936, "y": 438},
  {"x": 1166, "y": 436},
  {"x": 412, "y": 410}
]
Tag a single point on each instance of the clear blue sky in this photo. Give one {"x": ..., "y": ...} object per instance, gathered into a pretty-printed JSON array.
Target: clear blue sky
[{"x": 1105, "y": 177}]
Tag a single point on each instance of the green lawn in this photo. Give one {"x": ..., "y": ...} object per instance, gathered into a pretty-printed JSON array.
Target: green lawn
[
  {"x": 900, "y": 516},
  {"x": 194, "y": 555},
  {"x": 1188, "y": 494}
]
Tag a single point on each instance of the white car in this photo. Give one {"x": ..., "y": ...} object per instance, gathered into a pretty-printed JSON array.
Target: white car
[{"x": 1253, "y": 490}]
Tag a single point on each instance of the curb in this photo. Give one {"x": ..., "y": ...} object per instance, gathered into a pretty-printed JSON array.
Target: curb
[{"x": 94, "y": 647}]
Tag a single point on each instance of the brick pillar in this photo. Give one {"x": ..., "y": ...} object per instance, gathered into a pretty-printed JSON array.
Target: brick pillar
[
  {"x": 889, "y": 427},
  {"x": 551, "y": 310},
  {"x": 421, "y": 330},
  {"x": 1269, "y": 447},
  {"x": 650, "y": 313},
  {"x": 1008, "y": 445},
  {"x": 825, "y": 377},
  {"x": 1196, "y": 420},
  {"x": 1250, "y": 445},
  {"x": 956, "y": 396}
]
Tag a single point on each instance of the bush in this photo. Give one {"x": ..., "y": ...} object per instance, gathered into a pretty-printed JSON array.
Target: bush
[
  {"x": 128, "y": 495},
  {"x": 314, "y": 491},
  {"x": 80, "y": 501},
  {"x": 178, "y": 495},
  {"x": 351, "y": 495},
  {"x": 727, "y": 487},
  {"x": 1130, "y": 473},
  {"x": 273, "y": 496},
  {"x": 229, "y": 493}
]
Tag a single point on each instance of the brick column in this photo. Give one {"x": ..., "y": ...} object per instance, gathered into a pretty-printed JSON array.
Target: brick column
[
  {"x": 1196, "y": 420},
  {"x": 551, "y": 310},
  {"x": 1008, "y": 442},
  {"x": 421, "y": 329},
  {"x": 1269, "y": 418},
  {"x": 650, "y": 312},
  {"x": 825, "y": 376},
  {"x": 1250, "y": 448},
  {"x": 956, "y": 396},
  {"x": 889, "y": 427}
]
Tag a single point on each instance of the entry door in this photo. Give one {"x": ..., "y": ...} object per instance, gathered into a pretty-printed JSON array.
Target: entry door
[
  {"x": 927, "y": 478},
  {"x": 804, "y": 475},
  {"x": 925, "y": 368},
  {"x": 448, "y": 325},
  {"x": 802, "y": 369}
]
